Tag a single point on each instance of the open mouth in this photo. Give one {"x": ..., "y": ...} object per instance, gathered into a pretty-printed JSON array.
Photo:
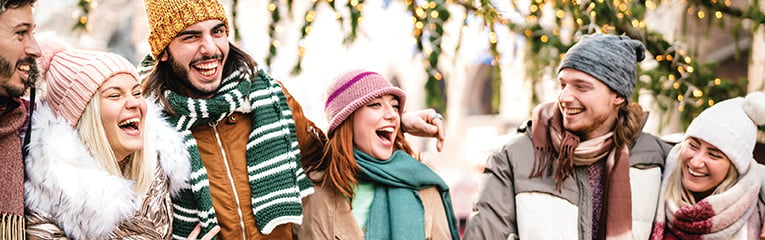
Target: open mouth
[
  {"x": 207, "y": 69},
  {"x": 130, "y": 126},
  {"x": 24, "y": 68},
  {"x": 573, "y": 111},
  {"x": 385, "y": 134},
  {"x": 696, "y": 174}
]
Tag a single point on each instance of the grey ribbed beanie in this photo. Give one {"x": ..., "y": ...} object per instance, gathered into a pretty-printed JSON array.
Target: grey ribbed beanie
[{"x": 611, "y": 59}]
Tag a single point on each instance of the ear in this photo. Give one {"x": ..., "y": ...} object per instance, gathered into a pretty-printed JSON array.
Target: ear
[
  {"x": 618, "y": 100},
  {"x": 163, "y": 56}
]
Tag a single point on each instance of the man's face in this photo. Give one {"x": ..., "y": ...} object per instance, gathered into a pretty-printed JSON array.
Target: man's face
[
  {"x": 588, "y": 106},
  {"x": 18, "y": 50},
  {"x": 197, "y": 56}
]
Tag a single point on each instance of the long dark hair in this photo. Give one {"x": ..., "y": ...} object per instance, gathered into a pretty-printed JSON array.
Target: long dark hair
[{"x": 163, "y": 78}]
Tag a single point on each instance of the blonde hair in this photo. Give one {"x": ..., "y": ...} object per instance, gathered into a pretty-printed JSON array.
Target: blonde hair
[
  {"x": 682, "y": 197},
  {"x": 91, "y": 131}
]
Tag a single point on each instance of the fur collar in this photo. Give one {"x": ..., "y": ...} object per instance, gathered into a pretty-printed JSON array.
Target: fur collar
[{"x": 65, "y": 182}]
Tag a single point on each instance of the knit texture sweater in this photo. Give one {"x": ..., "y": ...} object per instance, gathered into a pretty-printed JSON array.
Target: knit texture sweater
[
  {"x": 12, "y": 116},
  {"x": 277, "y": 182}
]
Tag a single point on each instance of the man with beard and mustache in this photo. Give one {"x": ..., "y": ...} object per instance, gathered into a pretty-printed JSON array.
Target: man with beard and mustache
[
  {"x": 18, "y": 71},
  {"x": 246, "y": 135}
]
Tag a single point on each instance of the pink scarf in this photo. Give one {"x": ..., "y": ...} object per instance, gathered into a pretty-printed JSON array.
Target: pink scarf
[
  {"x": 719, "y": 216},
  {"x": 11, "y": 172},
  {"x": 549, "y": 137}
]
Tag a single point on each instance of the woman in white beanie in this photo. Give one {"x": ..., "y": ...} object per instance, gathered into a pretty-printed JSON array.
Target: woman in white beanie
[
  {"x": 102, "y": 164},
  {"x": 712, "y": 182},
  {"x": 368, "y": 185}
]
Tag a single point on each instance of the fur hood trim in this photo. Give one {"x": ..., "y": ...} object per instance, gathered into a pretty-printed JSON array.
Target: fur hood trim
[{"x": 66, "y": 183}]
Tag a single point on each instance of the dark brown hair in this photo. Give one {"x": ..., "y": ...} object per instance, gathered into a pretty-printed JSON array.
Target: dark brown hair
[
  {"x": 12, "y": 4},
  {"x": 629, "y": 124}
]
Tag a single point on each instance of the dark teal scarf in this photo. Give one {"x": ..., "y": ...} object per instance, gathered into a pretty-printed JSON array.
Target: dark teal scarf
[{"x": 397, "y": 211}]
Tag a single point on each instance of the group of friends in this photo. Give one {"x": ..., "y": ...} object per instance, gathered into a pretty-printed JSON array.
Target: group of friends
[{"x": 202, "y": 144}]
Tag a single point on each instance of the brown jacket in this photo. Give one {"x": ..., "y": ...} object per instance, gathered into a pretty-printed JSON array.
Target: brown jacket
[
  {"x": 229, "y": 184},
  {"x": 327, "y": 215}
]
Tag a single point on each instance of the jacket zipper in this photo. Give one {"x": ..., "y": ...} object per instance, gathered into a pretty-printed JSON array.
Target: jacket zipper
[{"x": 230, "y": 178}]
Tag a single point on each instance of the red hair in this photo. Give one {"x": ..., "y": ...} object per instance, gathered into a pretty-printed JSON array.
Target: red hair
[{"x": 338, "y": 163}]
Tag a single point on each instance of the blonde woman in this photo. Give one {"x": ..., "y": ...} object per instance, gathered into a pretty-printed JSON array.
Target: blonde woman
[
  {"x": 713, "y": 185},
  {"x": 103, "y": 164}
]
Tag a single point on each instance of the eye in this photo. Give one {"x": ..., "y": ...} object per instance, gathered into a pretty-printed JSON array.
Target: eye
[
  {"x": 374, "y": 104},
  {"x": 189, "y": 37},
  {"x": 715, "y": 155},
  {"x": 21, "y": 34},
  {"x": 693, "y": 145}
]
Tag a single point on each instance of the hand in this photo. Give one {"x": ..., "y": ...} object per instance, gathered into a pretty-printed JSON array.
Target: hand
[
  {"x": 423, "y": 123},
  {"x": 194, "y": 233}
]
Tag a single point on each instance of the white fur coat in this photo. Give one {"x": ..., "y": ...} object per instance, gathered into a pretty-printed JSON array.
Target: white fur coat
[{"x": 65, "y": 182}]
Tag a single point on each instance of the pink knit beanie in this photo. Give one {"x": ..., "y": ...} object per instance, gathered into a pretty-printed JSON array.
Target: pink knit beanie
[
  {"x": 351, "y": 90},
  {"x": 72, "y": 76}
]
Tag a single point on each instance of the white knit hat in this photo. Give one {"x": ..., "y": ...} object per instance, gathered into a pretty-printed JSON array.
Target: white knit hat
[{"x": 731, "y": 126}]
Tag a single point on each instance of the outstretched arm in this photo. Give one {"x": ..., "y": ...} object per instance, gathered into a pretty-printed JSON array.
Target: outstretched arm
[{"x": 425, "y": 123}]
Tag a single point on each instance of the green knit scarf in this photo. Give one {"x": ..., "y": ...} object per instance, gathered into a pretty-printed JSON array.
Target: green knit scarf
[
  {"x": 397, "y": 211},
  {"x": 277, "y": 181}
]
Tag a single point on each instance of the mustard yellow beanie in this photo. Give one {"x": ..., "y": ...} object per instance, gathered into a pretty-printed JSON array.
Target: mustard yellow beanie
[{"x": 169, "y": 17}]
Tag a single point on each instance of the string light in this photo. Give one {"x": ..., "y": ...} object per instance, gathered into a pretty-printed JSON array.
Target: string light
[{"x": 698, "y": 93}]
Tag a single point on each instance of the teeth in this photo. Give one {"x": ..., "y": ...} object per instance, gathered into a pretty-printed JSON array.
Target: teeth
[
  {"x": 129, "y": 121},
  {"x": 207, "y": 66},
  {"x": 573, "y": 111},
  {"x": 24, "y": 67},
  {"x": 387, "y": 129},
  {"x": 695, "y": 174}
]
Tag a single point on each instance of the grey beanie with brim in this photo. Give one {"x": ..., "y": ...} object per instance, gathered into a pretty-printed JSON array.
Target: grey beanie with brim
[{"x": 609, "y": 58}]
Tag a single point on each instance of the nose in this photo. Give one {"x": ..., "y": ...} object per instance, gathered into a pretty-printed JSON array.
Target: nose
[
  {"x": 565, "y": 95},
  {"x": 208, "y": 45},
  {"x": 31, "y": 48},
  {"x": 696, "y": 161},
  {"x": 133, "y": 102},
  {"x": 390, "y": 112}
]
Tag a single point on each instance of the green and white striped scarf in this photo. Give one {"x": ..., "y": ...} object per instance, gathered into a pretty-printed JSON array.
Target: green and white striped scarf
[{"x": 277, "y": 180}]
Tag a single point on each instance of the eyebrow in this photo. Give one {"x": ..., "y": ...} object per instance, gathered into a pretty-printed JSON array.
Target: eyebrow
[
  {"x": 137, "y": 85},
  {"x": 23, "y": 25},
  {"x": 192, "y": 32}
]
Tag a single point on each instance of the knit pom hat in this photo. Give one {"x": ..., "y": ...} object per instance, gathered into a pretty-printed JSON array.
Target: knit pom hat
[
  {"x": 609, "y": 58},
  {"x": 731, "y": 126},
  {"x": 169, "y": 17},
  {"x": 72, "y": 76},
  {"x": 353, "y": 89}
]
